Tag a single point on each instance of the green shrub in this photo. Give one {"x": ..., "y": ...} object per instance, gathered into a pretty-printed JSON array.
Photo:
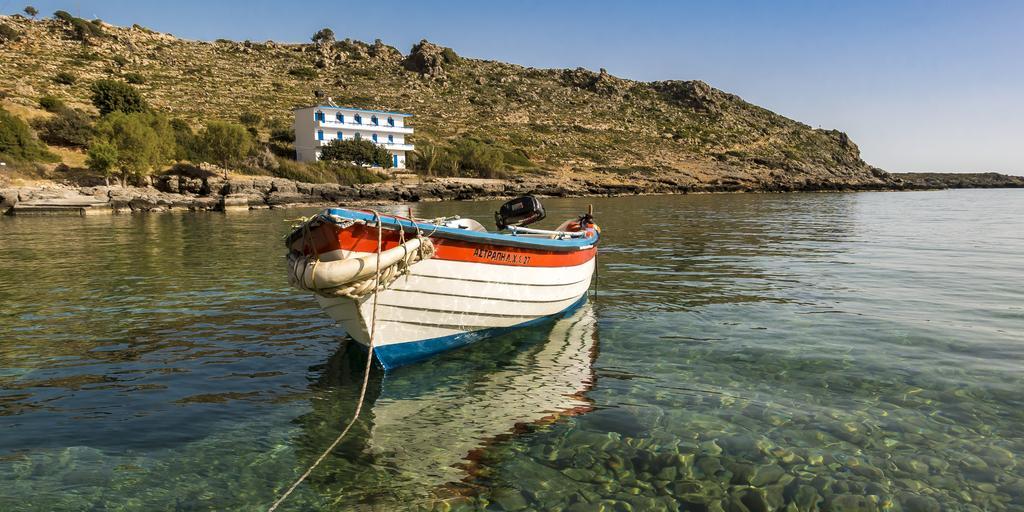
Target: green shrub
[
  {"x": 224, "y": 41},
  {"x": 187, "y": 145},
  {"x": 18, "y": 143},
  {"x": 102, "y": 157},
  {"x": 324, "y": 172},
  {"x": 517, "y": 157},
  {"x": 290, "y": 169},
  {"x": 143, "y": 141},
  {"x": 249, "y": 118},
  {"x": 284, "y": 135},
  {"x": 81, "y": 30},
  {"x": 348, "y": 174},
  {"x": 450, "y": 57},
  {"x": 120, "y": 60},
  {"x": 64, "y": 78},
  {"x": 224, "y": 144},
  {"x": 304, "y": 72},
  {"x": 110, "y": 95},
  {"x": 51, "y": 104},
  {"x": 323, "y": 36},
  {"x": 485, "y": 160},
  {"x": 8, "y": 34},
  {"x": 70, "y": 127},
  {"x": 31, "y": 11},
  {"x": 357, "y": 152},
  {"x": 135, "y": 78},
  {"x": 467, "y": 157},
  {"x": 85, "y": 31}
]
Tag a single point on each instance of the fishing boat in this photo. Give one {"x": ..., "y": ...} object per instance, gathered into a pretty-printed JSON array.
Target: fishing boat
[{"x": 419, "y": 287}]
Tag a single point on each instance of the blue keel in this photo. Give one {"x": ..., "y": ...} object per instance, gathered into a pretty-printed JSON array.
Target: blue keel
[{"x": 401, "y": 354}]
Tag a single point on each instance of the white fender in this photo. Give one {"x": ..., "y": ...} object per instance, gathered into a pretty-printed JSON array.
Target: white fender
[{"x": 334, "y": 274}]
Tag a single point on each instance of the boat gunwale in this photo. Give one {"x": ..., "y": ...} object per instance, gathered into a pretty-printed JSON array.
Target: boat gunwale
[{"x": 481, "y": 237}]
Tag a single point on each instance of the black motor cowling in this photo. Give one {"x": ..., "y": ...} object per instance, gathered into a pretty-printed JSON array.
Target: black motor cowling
[{"x": 519, "y": 212}]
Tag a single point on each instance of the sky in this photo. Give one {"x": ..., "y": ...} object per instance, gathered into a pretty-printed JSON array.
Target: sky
[{"x": 919, "y": 85}]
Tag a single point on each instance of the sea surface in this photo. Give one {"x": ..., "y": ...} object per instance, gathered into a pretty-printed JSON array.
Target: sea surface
[{"x": 853, "y": 351}]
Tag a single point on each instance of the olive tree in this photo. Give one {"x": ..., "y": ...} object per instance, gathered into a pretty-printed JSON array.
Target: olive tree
[
  {"x": 102, "y": 158},
  {"x": 225, "y": 143},
  {"x": 138, "y": 143}
]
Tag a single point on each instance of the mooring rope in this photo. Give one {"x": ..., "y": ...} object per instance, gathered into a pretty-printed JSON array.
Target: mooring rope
[{"x": 366, "y": 375}]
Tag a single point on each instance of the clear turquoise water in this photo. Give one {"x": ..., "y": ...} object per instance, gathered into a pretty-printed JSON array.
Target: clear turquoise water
[{"x": 744, "y": 352}]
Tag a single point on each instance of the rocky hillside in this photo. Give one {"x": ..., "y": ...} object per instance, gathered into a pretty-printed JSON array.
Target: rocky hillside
[{"x": 567, "y": 123}]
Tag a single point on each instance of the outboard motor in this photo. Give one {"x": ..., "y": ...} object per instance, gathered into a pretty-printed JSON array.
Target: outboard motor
[{"x": 521, "y": 211}]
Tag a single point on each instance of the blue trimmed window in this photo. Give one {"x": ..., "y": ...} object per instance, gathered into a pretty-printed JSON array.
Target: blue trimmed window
[
  {"x": 359, "y": 119},
  {"x": 319, "y": 135},
  {"x": 391, "y": 121},
  {"x": 319, "y": 116},
  {"x": 340, "y": 137},
  {"x": 373, "y": 119},
  {"x": 340, "y": 117},
  {"x": 358, "y": 136},
  {"x": 374, "y": 137},
  {"x": 391, "y": 139}
]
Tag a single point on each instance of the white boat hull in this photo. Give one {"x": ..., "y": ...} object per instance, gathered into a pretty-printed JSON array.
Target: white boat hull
[{"x": 444, "y": 304}]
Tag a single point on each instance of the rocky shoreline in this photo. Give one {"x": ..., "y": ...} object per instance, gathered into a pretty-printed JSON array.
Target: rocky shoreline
[
  {"x": 215, "y": 193},
  {"x": 942, "y": 180}
]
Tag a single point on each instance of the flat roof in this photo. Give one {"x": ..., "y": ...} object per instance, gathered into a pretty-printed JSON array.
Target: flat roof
[{"x": 357, "y": 110}]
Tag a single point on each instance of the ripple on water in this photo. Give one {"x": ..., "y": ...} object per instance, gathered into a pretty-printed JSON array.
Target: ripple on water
[{"x": 744, "y": 352}]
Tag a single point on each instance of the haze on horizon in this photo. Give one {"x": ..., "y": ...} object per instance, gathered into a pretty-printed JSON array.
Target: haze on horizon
[{"x": 919, "y": 86}]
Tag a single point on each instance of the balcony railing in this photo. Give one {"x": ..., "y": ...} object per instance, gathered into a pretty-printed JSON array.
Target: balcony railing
[{"x": 332, "y": 123}]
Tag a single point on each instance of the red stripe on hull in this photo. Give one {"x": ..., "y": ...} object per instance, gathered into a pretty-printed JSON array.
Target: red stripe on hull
[{"x": 360, "y": 238}]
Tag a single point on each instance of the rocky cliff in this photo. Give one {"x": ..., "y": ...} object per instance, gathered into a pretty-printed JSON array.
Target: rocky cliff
[{"x": 566, "y": 123}]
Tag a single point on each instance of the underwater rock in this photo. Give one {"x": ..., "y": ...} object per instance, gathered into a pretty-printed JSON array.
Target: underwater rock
[
  {"x": 764, "y": 475},
  {"x": 742, "y": 473},
  {"x": 579, "y": 475},
  {"x": 806, "y": 498},
  {"x": 911, "y": 465},
  {"x": 740, "y": 446},
  {"x": 849, "y": 503},
  {"x": 916, "y": 503},
  {"x": 509, "y": 499},
  {"x": 750, "y": 499},
  {"x": 996, "y": 456}
]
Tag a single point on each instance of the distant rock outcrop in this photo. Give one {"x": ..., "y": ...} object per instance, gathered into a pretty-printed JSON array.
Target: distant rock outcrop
[
  {"x": 430, "y": 60},
  {"x": 694, "y": 94}
]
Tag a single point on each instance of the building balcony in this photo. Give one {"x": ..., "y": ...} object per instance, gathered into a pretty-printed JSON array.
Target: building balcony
[{"x": 382, "y": 128}]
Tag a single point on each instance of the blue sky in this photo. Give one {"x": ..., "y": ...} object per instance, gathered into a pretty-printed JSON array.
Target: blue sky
[{"x": 919, "y": 85}]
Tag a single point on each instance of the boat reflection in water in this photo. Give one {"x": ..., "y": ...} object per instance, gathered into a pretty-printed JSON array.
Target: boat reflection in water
[{"x": 427, "y": 425}]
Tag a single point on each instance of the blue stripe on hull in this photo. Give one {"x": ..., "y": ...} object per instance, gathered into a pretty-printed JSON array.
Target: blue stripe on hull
[{"x": 401, "y": 354}]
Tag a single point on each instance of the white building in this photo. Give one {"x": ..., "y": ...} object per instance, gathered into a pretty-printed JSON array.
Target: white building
[{"x": 318, "y": 125}]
